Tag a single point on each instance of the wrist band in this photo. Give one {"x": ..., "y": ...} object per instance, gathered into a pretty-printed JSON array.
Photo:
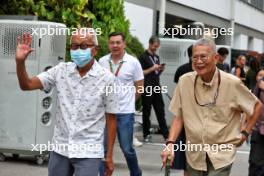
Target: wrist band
[
  {"x": 245, "y": 133},
  {"x": 169, "y": 142}
]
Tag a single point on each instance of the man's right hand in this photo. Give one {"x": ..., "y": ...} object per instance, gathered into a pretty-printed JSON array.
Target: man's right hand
[
  {"x": 168, "y": 152},
  {"x": 155, "y": 67},
  {"x": 23, "y": 48}
]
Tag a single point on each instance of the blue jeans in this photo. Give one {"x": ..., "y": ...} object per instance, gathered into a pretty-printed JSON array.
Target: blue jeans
[
  {"x": 61, "y": 165},
  {"x": 125, "y": 129}
]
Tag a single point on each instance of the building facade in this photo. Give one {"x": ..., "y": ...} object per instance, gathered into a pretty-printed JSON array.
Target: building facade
[{"x": 244, "y": 17}]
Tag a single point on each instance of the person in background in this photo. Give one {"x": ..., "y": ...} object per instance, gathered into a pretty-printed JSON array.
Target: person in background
[
  {"x": 129, "y": 77},
  {"x": 256, "y": 156},
  {"x": 239, "y": 68},
  {"x": 152, "y": 68},
  {"x": 221, "y": 64},
  {"x": 179, "y": 162},
  {"x": 234, "y": 67},
  {"x": 185, "y": 68},
  {"x": 251, "y": 74}
]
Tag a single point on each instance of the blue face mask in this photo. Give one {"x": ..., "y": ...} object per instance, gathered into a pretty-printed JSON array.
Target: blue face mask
[{"x": 81, "y": 57}]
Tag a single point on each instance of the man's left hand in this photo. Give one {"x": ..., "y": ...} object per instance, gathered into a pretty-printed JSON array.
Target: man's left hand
[
  {"x": 162, "y": 67},
  {"x": 242, "y": 140},
  {"x": 109, "y": 166}
]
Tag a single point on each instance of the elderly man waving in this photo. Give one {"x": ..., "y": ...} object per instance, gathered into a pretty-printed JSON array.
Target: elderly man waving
[{"x": 81, "y": 106}]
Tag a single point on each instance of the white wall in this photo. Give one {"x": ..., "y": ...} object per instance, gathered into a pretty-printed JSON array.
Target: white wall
[
  {"x": 219, "y": 8},
  {"x": 258, "y": 45},
  {"x": 244, "y": 13},
  {"x": 249, "y": 16},
  {"x": 240, "y": 41},
  {"x": 141, "y": 21},
  {"x": 244, "y": 42}
]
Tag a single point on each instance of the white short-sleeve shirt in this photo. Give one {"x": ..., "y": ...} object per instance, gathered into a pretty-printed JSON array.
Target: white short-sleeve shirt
[
  {"x": 81, "y": 107},
  {"x": 130, "y": 72}
]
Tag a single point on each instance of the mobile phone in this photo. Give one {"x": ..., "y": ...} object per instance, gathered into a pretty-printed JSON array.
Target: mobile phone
[{"x": 163, "y": 64}]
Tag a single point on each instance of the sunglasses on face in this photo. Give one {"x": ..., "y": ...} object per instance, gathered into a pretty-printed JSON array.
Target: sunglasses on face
[{"x": 75, "y": 46}]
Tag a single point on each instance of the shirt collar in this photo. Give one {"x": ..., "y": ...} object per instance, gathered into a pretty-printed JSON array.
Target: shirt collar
[
  {"x": 124, "y": 59},
  {"x": 152, "y": 55},
  {"x": 211, "y": 83},
  {"x": 92, "y": 72}
]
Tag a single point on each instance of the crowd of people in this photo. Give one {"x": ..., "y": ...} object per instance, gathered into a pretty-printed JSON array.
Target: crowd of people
[{"x": 207, "y": 104}]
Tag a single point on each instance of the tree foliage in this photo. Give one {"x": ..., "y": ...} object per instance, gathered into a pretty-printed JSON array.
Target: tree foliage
[
  {"x": 110, "y": 16},
  {"x": 105, "y": 14},
  {"x": 73, "y": 13}
]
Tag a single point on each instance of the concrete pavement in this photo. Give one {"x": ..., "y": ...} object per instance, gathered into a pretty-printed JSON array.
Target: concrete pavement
[{"x": 148, "y": 156}]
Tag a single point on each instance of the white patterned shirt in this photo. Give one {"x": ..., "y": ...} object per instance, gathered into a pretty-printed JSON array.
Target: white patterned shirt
[{"x": 81, "y": 107}]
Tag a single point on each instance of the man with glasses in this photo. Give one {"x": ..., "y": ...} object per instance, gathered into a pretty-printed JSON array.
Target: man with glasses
[
  {"x": 83, "y": 107},
  {"x": 129, "y": 79},
  {"x": 208, "y": 102}
]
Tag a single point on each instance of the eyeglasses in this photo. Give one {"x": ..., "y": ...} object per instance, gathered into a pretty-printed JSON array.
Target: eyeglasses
[
  {"x": 210, "y": 104},
  {"x": 115, "y": 42},
  {"x": 75, "y": 46},
  {"x": 202, "y": 57}
]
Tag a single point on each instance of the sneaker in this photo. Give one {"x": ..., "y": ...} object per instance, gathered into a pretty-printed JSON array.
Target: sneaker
[
  {"x": 136, "y": 142},
  {"x": 148, "y": 138}
]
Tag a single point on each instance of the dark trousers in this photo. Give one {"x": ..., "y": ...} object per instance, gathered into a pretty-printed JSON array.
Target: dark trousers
[
  {"x": 62, "y": 166},
  {"x": 256, "y": 156},
  {"x": 155, "y": 100}
]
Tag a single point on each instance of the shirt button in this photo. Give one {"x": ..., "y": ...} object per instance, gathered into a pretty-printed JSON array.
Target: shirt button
[{"x": 76, "y": 102}]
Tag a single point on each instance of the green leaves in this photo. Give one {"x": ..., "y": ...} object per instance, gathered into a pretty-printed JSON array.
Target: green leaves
[
  {"x": 111, "y": 13},
  {"x": 50, "y": 15},
  {"x": 105, "y": 14},
  {"x": 71, "y": 12}
]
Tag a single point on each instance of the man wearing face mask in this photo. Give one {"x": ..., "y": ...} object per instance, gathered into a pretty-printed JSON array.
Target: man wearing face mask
[{"x": 83, "y": 107}]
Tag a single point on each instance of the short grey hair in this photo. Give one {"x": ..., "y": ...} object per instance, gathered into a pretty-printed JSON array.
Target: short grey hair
[
  {"x": 206, "y": 42},
  {"x": 84, "y": 32}
]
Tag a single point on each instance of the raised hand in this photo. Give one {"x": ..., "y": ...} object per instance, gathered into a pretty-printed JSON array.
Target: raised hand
[{"x": 23, "y": 48}]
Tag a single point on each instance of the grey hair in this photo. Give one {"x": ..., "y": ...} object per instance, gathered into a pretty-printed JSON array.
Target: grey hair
[
  {"x": 84, "y": 32},
  {"x": 206, "y": 42}
]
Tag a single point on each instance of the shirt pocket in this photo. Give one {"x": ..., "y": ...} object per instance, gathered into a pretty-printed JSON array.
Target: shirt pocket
[
  {"x": 221, "y": 113},
  {"x": 91, "y": 103},
  {"x": 127, "y": 78}
]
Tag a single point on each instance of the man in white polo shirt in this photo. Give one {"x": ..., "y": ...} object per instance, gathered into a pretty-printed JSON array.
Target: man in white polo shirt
[{"x": 129, "y": 79}]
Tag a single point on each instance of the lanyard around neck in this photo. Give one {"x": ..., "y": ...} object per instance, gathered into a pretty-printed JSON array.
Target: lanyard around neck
[
  {"x": 215, "y": 95},
  {"x": 118, "y": 69}
]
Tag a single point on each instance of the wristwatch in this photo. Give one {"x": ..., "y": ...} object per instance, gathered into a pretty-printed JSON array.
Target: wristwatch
[{"x": 245, "y": 133}]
